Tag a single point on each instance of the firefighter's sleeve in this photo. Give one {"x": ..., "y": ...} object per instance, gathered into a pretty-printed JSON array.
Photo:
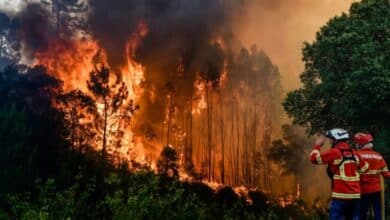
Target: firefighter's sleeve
[
  {"x": 317, "y": 157},
  {"x": 363, "y": 165},
  {"x": 384, "y": 170}
]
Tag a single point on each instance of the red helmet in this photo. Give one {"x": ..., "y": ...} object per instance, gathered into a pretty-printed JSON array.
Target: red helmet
[{"x": 363, "y": 138}]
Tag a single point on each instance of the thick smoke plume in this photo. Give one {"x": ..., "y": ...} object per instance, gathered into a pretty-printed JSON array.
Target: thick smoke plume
[
  {"x": 33, "y": 30},
  {"x": 280, "y": 27},
  {"x": 176, "y": 28}
]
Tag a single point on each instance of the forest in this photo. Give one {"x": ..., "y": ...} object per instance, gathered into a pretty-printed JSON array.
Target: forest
[{"x": 156, "y": 110}]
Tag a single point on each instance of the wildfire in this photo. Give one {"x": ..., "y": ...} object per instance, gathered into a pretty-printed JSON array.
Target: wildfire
[
  {"x": 290, "y": 198},
  {"x": 214, "y": 136},
  {"x": 133, "y": 72},
  {"x": 200, "y": 90},
  {"x": 244, "y": 192},
  {"x": 188, "y": 85},
  {"x": 71, "y": 61}
]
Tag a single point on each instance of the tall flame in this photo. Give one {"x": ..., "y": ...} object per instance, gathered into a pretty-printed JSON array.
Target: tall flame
[
  {"x": 72, "y": 61},
  {"x": 69, "y": 61}
]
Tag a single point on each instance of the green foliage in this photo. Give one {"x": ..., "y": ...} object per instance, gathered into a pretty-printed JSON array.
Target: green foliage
[
  {"x": 146, "y": 200},
  {"x": 382, "y": 142},
  {"x": 346, "y": 81},
  {"x": 50, "y": 203},
  {"x": 142, "y": 195}
]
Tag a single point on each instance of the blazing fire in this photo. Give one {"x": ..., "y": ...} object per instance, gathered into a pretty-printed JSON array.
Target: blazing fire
[
  {"x": 73, "y": 61},
  {"x": 200, "y": 104},
  {"x": 70, "y": 61},
  {"x": 207, "y": 124},
  {"x": 142, "y": 76},
  {"x": 139, "y": 84}
]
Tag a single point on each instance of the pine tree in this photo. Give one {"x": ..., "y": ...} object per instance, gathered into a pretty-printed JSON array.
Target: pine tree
[{"x": 115, "y": 110}]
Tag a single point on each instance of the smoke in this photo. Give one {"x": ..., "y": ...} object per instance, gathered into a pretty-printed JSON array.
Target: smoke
[
  {"x": 179, "y": 33},
  {"x": 22, "y": 32},
  {"x": 280, "y": 27},
  {"x": 188, "y": 41},
  {"x": 11, "y": 6},
  {"x": 32, "y": 29},
  {"x": 175, "y": 28},
  {"x": 291, "y": 154}
]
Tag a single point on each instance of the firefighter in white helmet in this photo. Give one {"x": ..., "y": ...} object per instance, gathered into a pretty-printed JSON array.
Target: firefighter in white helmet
[{"x": 344, "y": 165}]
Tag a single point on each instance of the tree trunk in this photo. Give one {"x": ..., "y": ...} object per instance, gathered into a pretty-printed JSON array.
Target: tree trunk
[
  {"x": 237, "y": 146},
  {"x": 209, "y": 131},
  {"x": 254, "y": 144},
  {"x": 222, "y": 139},
  {"x": 232, "y": 144}
]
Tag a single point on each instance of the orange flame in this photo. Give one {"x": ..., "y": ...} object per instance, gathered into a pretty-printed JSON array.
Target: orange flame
[
  {"x": 200, "y": 93},
  {"x": 71, "y": 61}
]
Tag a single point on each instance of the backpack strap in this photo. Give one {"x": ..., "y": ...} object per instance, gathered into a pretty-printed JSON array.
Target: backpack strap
[{"x": 343, "y": 159}]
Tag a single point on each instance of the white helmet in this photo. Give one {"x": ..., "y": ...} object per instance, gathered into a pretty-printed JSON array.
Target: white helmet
[{"x": 337, "y": 134}]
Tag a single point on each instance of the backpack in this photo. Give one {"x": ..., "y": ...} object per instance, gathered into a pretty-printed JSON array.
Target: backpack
[{"x": 344, "y": 159}]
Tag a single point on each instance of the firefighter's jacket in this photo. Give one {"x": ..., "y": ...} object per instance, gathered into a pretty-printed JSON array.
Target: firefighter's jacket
[
  {"x": 345, "y": 173},
  {"x": 370, "y": 180}
]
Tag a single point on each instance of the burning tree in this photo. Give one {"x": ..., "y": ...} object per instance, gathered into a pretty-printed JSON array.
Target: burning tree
[
  {"x": 100, "y": 118},
  {"x": 78, "y": 109},
  {"x": 167, "y": 163},
  {"x": 114, "y": 109}
]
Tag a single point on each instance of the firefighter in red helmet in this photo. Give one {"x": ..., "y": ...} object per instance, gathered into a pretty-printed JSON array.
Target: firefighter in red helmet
[
  {"x": 370, "y": 182},
  {"x": 344, "y": 165}
]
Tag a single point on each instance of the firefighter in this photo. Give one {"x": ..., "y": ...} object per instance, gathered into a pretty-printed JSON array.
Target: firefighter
[
  {"x": 343, "y": 167},
  {"x": 370, "y": 182}
]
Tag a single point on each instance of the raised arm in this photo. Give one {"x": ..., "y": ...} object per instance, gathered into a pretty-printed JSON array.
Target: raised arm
[{"x": 319, "y": 158}]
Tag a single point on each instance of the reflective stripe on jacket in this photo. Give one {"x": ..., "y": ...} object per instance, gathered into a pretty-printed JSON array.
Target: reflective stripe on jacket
[
  {"x": 370, "y": 181},
  {"x": 346, "y": 179}
]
